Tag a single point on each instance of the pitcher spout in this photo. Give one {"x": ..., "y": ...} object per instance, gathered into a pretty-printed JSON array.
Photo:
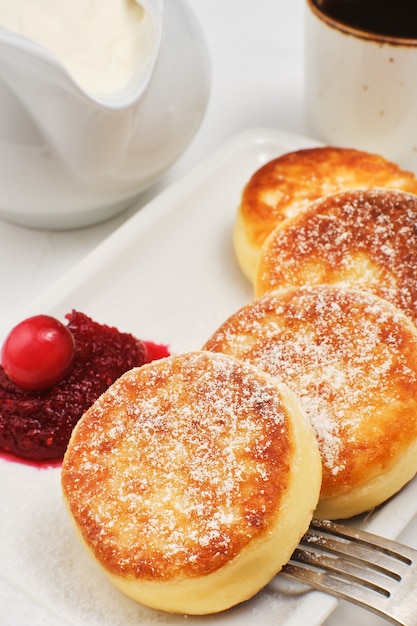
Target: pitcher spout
[{"x": 85, "y": 154}]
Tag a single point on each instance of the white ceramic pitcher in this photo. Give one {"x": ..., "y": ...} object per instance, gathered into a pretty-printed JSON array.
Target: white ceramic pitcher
[{"x": 68, "y": 159}]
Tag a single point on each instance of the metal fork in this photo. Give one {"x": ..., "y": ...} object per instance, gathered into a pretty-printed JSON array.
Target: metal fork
[{"x": 375, "y": 573}]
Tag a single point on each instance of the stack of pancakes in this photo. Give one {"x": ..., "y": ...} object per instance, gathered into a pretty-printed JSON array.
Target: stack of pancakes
[
  {"x": 329, "y": 238},
  {"x": 285, "y": 186},
  {"x": 192, "y": 479}
]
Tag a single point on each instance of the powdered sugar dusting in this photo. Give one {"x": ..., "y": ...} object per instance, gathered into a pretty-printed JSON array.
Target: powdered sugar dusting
[
  {"x": 179, "y": 464},
  {"x": 359, "y": 239},
  {"x": 345, "y": 354},
  {"x": 284, "y": 186}
]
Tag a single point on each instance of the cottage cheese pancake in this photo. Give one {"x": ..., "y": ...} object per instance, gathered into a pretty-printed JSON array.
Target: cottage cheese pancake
[
  {"x": 351, "y": 358},
  {"x": 191, "y": 480},
  {"x": 286, "y": 185},
  {"x": 362, "y": 239}
]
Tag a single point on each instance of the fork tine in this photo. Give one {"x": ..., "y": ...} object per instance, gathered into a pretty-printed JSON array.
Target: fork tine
[
  {"x": 359, "y": 547},
  {"x": 362, "y": 537},
  {"x": 328, "y": 583},
  {"x": 350, "y": 571},
  {"x": 375, "y": 573}
]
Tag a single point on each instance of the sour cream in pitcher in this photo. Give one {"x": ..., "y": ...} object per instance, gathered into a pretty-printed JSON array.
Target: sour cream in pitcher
[{"x": 100, "y": 42}]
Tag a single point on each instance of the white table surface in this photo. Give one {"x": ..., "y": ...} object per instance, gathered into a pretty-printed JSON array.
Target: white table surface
[{"x": 257, "y": 65}]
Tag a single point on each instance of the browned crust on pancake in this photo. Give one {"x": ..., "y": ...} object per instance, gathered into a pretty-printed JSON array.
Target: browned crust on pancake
[
  {"x": 179, "y": 466},
  {"x": 286, "y": 185},
  {"x": 352, "y": 360},
  {"x": 363, "y": 239}
]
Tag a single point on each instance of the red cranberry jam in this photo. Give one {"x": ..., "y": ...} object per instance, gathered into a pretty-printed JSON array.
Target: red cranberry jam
[{"x": 36, "y": 425}]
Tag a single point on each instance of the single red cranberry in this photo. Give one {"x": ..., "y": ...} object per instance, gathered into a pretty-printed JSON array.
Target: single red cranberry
[{"x": 38, "y": 352}]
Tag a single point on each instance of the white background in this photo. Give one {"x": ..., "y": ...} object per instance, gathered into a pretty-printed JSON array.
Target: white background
[{"x": 256, "y": 56}]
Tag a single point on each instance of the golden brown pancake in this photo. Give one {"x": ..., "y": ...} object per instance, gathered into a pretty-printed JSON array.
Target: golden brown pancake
[
  {"x": 361, "y": 239},
  {"x": 284, "y": 186},
  {"x": 351, "y": 358},
  {"x": 191, "y": 481}
]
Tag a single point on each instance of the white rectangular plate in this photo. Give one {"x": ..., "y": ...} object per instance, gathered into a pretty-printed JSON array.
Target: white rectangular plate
[{"x": 168, "y": 275}]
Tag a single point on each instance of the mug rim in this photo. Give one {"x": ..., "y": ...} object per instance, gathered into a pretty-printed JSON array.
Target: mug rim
[{"x": 360, "y": 33}]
